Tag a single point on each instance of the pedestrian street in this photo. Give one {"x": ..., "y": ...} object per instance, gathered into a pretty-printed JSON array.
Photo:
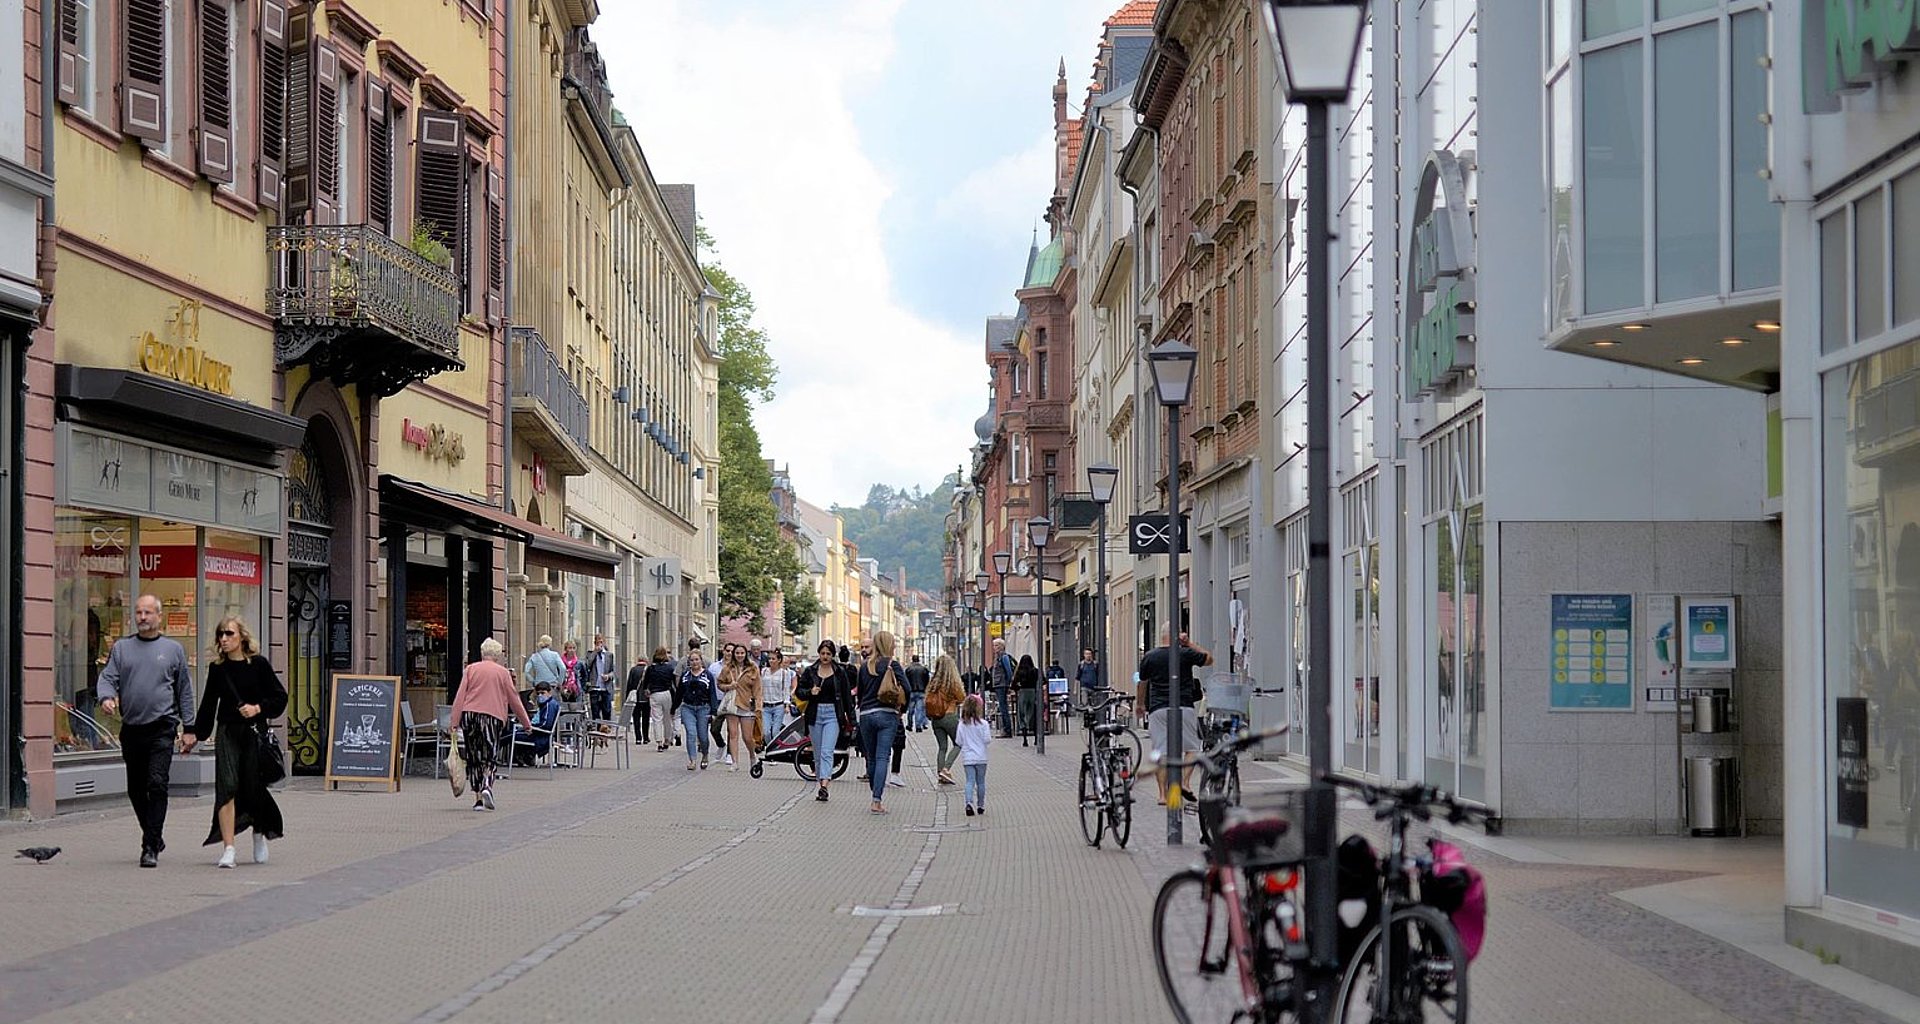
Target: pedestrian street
[{"x": 657, "y": 894}]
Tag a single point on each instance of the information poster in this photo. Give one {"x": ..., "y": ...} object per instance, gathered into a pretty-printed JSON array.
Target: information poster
[
  {"x": 365, "y": 723},
  {"x": 1591, "y": 652},
  {"x": 1850, "y": 746},
  {"x": 1710, "y": 640}
]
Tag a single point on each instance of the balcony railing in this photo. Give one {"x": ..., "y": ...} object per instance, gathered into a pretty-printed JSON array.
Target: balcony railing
[
  {"x": 539, "y": 376},
  {"x": 336, "y": 285}
]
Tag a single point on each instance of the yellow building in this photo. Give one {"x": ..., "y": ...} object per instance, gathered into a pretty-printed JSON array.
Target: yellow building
[{"x": 279, "y": 328}]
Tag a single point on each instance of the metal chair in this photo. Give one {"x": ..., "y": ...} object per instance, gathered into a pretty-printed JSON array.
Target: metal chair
[
  {"x": 413, "y": 735},
  {"x": 529, "y": 740},
  {"x": 601, "y": 733},
  {"x": 442, "y": 720}
]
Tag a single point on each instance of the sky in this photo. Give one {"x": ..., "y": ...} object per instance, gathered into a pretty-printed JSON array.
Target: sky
[{"x": 873, "y": 171}]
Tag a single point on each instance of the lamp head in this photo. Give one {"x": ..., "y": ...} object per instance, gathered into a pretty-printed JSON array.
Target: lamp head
[
  {"x": 1101, "y": 478},
  {"x": 1002, "y": 562},
  {"x": 1319, "y": 44},
  {"x": 1173, "y": 363},
  {"x": 1039, "y": 530},
  {"x": 981, "y": 581}
]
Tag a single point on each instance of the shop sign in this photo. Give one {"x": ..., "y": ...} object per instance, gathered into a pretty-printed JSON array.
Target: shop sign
[
  {"x": 1147, "y": 534},
  {"x": 185, "y": 488},
  {"x": 436, "y": 441},
  {"x": 1710, "y": 633},
  {"x": 339, "y": 634},
  {"x": 537, "y": 469},
  {"x": 364, "y": 716},
  {"x": 107, "y": 472},
  {"x": 167, "y": 562},
  {"x": 659, "y": 577},
  {"x": 1591, "y": 652},
  {"x": 248, "y": 499},
  {"x": 179, "y": 357},
  {"x": 232, "y": 567},
  {"x": 1439, "y": 328},
  {"x": 1864, "y": 39},
  {"x": 1851, "y": 773}
]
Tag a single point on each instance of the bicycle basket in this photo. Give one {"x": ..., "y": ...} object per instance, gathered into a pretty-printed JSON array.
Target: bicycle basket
[
  {"x": 1228, "y": 694},
  {"x": 1267, "y": 828}
]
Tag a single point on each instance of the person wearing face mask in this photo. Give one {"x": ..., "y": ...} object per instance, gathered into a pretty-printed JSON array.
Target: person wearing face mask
[{"x": 533, "y": 741}]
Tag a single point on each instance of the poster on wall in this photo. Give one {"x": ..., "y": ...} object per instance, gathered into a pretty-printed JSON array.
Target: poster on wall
[
  {"x": 1591, "y": 652},
  {"x": 1850, "y": 746},
  {"x": 1659, "y": 676},
  {"x": 1710, "y": 626}
]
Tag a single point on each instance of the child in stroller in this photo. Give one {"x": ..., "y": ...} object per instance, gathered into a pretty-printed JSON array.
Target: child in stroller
[{"x": 794, "y": 746}]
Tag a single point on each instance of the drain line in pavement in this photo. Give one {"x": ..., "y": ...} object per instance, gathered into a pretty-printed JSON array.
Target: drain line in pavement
[
  {"x": 506, "y": 975},
  {"x": 891, "y": 916}
]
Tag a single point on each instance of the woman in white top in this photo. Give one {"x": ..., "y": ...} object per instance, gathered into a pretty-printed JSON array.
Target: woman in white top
[{"x": 776, "y": 690}]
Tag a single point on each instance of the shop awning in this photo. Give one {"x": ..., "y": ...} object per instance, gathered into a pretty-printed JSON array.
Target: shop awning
[{"x": 545, "y": 547}]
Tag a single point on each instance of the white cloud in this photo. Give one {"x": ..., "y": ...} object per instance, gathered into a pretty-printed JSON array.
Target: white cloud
[{"x": 1004, "y": 198}]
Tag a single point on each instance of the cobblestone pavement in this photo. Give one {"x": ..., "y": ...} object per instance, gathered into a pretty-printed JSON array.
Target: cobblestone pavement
[{"x": 654, "y": 893}]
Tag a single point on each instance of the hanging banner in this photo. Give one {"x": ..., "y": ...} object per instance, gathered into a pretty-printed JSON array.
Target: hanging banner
[{"x": 1591, "y": 652}]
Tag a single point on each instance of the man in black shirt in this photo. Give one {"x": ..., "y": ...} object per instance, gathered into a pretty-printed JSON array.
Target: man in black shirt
[
  {"x": 1161, "y": 704},
  {"x": 917, "y": 679}
]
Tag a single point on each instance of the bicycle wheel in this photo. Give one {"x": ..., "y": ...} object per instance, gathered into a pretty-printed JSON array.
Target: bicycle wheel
[
  {"x": 1092, "y": 804},
  {"x": 1119, "y": 799},
  {"x": 803, "y": 765},
  {"x": 1431, "y": 972},
  {"x": 1193, "y": 949}
]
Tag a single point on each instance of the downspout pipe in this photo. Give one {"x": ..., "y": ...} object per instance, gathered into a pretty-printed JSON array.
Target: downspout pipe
[{"x": 506, "y": 300}]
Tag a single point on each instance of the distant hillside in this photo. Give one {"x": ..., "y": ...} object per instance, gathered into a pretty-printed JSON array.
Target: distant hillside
[{"x": 899, "y": 527}]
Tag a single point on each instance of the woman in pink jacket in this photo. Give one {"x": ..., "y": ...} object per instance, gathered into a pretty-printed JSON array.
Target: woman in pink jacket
[{"x": 485, "y": 701}]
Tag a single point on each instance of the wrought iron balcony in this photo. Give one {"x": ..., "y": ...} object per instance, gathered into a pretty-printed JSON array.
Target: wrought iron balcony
[
  {"x": 548, "y": 411},
  {"x": 359, "y": 307},
  {"x": 1074, "y": 514}
]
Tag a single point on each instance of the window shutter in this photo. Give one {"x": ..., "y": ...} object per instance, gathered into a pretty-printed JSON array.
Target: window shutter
[
  {"x": 379, "y": 159},
  {"x": 496, "y": 245},
  {"x": 273, "y": 100},
  {"x": 73, "y": 60},
  {"x": 439, "y": 180},
  {"x": 143, "y": 85},
  {"x": 326, "y": 131},
  {"x": 216, "y": 101},
  {"x": 299, "y": 115}
]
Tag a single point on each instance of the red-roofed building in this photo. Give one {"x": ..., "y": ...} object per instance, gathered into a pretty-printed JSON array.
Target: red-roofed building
[{"x": 1135, "y": 12}]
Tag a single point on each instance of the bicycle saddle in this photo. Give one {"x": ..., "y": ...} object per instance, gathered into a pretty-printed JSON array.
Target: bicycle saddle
[
  {"x": 1250, "y": 834},
  {"x": 1110, "y": 729}
]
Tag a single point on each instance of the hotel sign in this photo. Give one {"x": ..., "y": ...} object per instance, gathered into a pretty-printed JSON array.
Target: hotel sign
[
  {"x": 1439, "y": 328},
  {"x": 180, "y": 357}
]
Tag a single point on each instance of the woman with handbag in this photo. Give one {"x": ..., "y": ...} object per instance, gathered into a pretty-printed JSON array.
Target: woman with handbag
[
  {"x": 481, "y": 709},
  {"x": 945, "y": 694},
  {"x": 739, "y": 704},
  {"x": 826, "y": 692},
  {"x": 243, "y": 693},
  {"x": 882, "y": 696}
]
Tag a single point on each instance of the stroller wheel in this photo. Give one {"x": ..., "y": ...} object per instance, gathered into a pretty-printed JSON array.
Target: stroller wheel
[{"x": 757, "y": 770}]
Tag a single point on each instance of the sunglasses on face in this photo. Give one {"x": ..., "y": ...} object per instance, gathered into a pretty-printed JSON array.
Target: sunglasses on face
[{"x": 224, "y": 633}]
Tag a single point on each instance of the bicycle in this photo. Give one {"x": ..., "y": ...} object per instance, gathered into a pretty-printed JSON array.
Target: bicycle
[
  {"x": 1228, "y": 936},
  {"x": 1222, "y": 780},
  {"x": 1423, "y": 959},
  {"x": 1107, "y": 770}
]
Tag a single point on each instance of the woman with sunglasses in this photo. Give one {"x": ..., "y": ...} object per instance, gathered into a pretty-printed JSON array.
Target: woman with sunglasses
[
  {"x": 242, "y": 695},
  {"x": 826, "y": 688}
]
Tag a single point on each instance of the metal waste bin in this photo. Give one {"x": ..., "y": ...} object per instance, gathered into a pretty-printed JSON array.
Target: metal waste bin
[
  {"x": 1711, "y": 791},
  {"x": 1710, "y": 711}
]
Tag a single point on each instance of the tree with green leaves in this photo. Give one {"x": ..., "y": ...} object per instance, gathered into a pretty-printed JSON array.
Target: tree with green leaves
[
  {"x": 801, "y": 609},
  {"x": 754, "y": 558},
  {"x": 901, "y": 527}
]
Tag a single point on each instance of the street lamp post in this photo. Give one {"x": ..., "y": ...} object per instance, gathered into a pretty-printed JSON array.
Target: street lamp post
[
  {"x": 1039, "y": 531},
  {"x": 981, "y": 581},
  {"x": 1173, "y": 363},
  {"x": 1101, "y": 478},
  {"x": 1319, "y": 45},
  {"x": 1002, "y": 564}
]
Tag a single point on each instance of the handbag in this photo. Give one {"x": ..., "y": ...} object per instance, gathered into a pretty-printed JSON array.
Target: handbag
[
  {"x": 890, "y": 692},
  {"x": 456, "y": 765},
  {"x": 270, "y": 762}
]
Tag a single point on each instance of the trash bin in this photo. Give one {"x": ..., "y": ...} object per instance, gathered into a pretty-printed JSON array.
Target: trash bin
[
  {"x": 1711, "y": 788},
  {"x": 1710, "y": 711}
]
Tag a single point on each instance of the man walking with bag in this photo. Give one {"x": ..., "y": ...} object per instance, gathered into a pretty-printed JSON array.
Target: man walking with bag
[
  {"x": 1000, "y": 675},
  {"x": 146, "y": 683},
  {"x": 917, "y": 679}
]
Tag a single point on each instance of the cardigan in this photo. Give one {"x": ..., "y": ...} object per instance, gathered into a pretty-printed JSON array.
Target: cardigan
[{"x": 487, "y": 687}]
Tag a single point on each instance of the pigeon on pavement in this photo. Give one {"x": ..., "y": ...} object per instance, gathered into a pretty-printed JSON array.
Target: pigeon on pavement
[{"x": 40, "y": 854}]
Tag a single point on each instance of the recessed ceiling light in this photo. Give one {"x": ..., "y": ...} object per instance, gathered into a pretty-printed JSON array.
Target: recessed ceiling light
[
  {"x": 1605, "y": 343},
  {"x": 1692, "y": 361},
  {"x": 1633, "y": 327},
  {"x": 1733, "y": 342},
  {"x": 1766, "y": 325}
]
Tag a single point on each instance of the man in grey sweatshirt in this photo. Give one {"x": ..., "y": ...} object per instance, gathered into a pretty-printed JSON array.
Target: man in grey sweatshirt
[{"x": 145, "y": 682}]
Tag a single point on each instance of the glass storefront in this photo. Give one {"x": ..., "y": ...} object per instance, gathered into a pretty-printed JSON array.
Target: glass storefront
[
  {"x": 1455, "y": 610},
  {"x": 103, "y": 561}
]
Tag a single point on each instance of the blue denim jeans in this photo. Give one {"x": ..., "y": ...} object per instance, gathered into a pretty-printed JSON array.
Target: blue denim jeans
[
  {"x": 877, "y": 731},
  {"x": 825, "y": 732},
  {"x": 773, "y": 718},
  {"x": 695, "y": 718},
  {"x": 976, "y": 785},
  {"x": 917, "y": 711}
]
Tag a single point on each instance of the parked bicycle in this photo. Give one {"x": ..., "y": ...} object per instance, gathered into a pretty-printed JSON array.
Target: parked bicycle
[
  {"x": 1220, "y": 779},
  {"x": 1419, "y": 952},
  {"x": 1107, "y": 768},
  {"x": 1228, "y": 936}
]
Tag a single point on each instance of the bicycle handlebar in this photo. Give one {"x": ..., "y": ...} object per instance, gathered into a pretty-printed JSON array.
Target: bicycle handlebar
[
  {"x": 1231, "y": 745},
  {"x": 1110, "y": 697},
  {"x": 1414, "y": 800}
]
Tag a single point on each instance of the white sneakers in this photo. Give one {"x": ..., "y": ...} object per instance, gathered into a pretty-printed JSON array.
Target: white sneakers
[
  {"x": 729, "y": 760},
  {"x": 259, "y": 848},
  {"x": 226, "y": 858},
  {"x": 896, "y": 781}
]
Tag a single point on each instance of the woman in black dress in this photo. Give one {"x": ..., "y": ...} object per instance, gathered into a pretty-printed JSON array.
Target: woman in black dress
[{"x": 243, "y": 693}]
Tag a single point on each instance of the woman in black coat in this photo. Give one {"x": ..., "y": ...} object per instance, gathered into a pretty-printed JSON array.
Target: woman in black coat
[
  {"x": 243, "y": 693},
  {"x": 1026, "y": 679},
  {"x": 826, "y": 688}
]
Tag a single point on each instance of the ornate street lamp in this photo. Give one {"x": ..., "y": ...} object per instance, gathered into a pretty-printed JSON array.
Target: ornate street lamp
[
  {"x": 1039, "y": 531},
  {"x": 1101, "y": 478},
  {"x": 1002, "y": 564},
  {"x": 1319, "y": 45},
  {"x": 1172, "y": 363}
]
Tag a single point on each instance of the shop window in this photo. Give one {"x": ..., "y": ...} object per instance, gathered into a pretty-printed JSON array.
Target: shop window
[{"x": 1872, "y": 677}]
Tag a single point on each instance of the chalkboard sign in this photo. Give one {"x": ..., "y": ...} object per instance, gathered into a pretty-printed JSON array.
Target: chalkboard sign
[
  {"x": 339, "y": 634},
  {"x": 365, "y": 722}
]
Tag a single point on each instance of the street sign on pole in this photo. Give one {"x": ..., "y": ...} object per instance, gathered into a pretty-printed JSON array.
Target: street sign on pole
[{"x": 1147, "y": 534}]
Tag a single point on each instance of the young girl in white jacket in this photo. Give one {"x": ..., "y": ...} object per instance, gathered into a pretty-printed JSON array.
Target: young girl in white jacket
[{"x": 973, "y": 735}]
